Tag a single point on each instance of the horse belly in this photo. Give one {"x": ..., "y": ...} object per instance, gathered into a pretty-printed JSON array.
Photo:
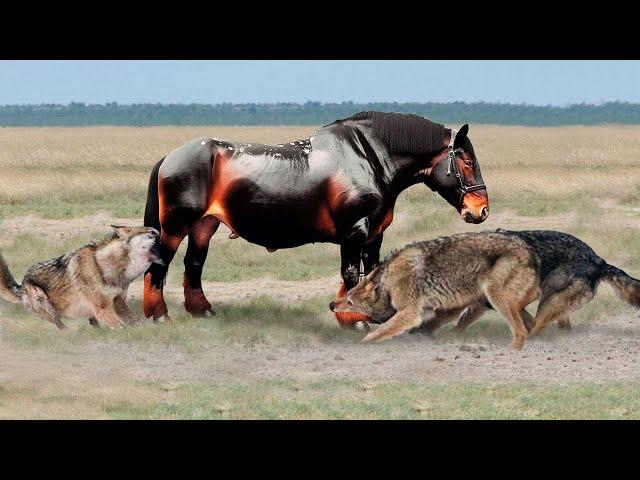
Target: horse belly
[{"x": 274, "y": 221}]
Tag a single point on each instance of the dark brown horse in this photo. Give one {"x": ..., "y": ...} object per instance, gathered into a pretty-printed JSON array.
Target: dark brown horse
[{"x": 338, "y": 186}]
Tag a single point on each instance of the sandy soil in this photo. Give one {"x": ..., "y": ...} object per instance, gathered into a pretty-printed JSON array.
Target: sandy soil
[
  {"x": 599, "y": 351},
  {"x": 603, "y": 350}
]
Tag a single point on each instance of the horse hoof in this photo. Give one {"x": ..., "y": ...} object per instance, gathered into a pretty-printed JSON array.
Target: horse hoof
[
  {"x": 209, "y": 313},
  {"x": 163, "y": 319}
]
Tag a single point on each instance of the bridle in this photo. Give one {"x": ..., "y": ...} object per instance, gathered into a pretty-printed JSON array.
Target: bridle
[{"x": 454, "y": 167}]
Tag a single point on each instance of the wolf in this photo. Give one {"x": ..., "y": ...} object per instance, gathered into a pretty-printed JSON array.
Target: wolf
[
  {"x": 459, "y": 277},
  {"x": 89, "y": 282}
]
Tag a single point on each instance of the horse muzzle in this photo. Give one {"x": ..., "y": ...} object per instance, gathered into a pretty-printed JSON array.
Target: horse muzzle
[
  {"x": 472, "y": 217},
  {"x": 475, "y": 207}
]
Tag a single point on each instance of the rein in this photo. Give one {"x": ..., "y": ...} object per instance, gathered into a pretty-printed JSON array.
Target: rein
[{"x": 454, "y": 167}]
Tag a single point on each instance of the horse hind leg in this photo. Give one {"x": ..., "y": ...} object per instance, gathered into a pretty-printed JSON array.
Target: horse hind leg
[
  {"x": 153, "y": 303},
  {"x": 195, "y": 301}
]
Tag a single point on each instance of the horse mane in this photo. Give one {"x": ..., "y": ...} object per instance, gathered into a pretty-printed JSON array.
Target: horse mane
[{"x": 405, "y": 133}]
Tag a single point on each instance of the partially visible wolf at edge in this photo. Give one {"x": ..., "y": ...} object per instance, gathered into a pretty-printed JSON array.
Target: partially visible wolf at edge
[
  {"x": 427, "y": 284},
  {"x": 89, "y": 282}
]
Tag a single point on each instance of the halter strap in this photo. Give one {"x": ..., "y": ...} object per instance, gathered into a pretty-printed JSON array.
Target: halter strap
[
  {"x": 451, "y": 152},
  {"x": 453, "y": 166}
]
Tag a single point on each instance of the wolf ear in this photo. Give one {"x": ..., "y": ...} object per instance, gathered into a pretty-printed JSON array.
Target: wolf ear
[{"x": 120, "y": 230}]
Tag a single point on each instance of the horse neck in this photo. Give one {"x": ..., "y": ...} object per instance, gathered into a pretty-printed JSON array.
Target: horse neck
[
  {"x": 400, "y": 171},
  {"x": 409, "y": 170}
]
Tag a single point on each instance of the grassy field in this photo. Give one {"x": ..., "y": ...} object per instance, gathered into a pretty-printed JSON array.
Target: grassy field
[
  {"x": 583, "y": 180},
  {"x": 324, "y": 399}
]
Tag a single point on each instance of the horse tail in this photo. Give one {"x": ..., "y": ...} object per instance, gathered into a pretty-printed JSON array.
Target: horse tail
[
  {"x": 9, "y": 289},
  {"x": 152, "y": 210}
]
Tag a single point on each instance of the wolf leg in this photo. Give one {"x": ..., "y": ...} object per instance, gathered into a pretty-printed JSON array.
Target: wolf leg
[
  {"x": 195, "y": 301},
  {"x": 509, "y": 296},
  {"x": 558, "y": 305},
  {"x": 401, "y": 322},
  {"x": 36, "y": 299},
  {"x": 469, "y": 315},
  {"x": 123, "y": 311},
  {"x": 527, "y": 319},
  {"x": 431, "y": 323},
  {"x": 109, "y": 317},
  {"x": 564, "y": 323},
  {"x": 153, "y": 299}
]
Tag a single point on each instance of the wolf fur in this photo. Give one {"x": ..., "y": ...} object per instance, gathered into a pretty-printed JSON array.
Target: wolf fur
[
  {"x": 458, "y": 277},
  {"x": 90, "y": 282}
]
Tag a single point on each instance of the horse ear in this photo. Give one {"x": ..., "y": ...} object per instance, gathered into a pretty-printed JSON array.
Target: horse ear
[{"x": 460, "y": 135}]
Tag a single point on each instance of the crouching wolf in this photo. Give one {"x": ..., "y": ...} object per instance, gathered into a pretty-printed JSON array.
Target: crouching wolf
[
  {"x": 459, "y": 277},
  {"x": 89, "y": 282}
]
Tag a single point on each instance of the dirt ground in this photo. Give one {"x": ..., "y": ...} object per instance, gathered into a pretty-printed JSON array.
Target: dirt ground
[
  {"x": 274, "y": 331},
  {"x": 599, "y": 350}
]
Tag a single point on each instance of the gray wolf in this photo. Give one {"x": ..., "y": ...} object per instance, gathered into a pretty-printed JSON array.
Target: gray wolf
[
  {"x": 458, "y": 277},
  {"x": 89, "y": 282}
]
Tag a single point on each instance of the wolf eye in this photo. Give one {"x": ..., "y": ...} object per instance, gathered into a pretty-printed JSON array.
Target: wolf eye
[{"x": 349, "y": 302}]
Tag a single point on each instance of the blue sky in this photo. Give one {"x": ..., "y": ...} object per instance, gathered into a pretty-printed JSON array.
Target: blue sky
[{"x": 533, "y": 82}]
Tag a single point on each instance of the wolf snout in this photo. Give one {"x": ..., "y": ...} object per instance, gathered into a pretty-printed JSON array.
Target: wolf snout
[{"x": 332, "y": 305}]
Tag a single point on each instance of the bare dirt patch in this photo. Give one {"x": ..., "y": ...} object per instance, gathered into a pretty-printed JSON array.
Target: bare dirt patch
[{"x": 599, "y": 351}]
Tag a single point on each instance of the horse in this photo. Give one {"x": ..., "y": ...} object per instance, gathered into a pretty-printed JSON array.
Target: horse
[{"x": 340, "y": 186}]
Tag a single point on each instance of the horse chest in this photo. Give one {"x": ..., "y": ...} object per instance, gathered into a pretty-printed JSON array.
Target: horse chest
[{"x": 382, "y": 226}]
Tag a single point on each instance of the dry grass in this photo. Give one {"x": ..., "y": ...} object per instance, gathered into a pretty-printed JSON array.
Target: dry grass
[
  {"x": 583, "y": 180},
  {"x": 51, "y": 169},
  {"x": 121, "y": 398},
  {"x": 118, "y": 147}
]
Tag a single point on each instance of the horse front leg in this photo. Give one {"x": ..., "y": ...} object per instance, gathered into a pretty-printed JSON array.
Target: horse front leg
[
  {"x": 351, "y": 250},
  {"x": 371, "y": 254},
  {"x": 195, "y": 301}
]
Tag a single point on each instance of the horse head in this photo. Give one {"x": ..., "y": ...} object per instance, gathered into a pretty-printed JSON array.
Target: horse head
[{"x": 455, "y": 175}]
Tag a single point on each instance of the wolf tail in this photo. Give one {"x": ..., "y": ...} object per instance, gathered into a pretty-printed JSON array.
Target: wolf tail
[
  {"x": 9, "y": 289},
  {"x": 625, "y": 286},
  {"x": 152, "y": 210}
]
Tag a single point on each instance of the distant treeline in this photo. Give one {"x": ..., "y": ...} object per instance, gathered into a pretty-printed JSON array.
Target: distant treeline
[{"x": 310, "y": 113}]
